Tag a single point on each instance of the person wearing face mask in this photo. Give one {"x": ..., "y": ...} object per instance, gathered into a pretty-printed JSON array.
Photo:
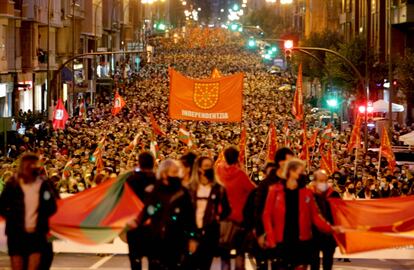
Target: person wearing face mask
[
  {"x": 288, "y": 216},
  {"x": 349, "y": 193},
  {"x": 26, "y": 203},
  {"x": 169, "y": 215},
  {"x": 211, "y": 206},
  {"x": 324, "y": 243},
  {"x": 370, "y": 191},
  {"x": 274, "y": 176}
]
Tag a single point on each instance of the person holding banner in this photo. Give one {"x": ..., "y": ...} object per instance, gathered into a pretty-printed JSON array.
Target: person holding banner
[
  {"x": 324, "y": 243},
  {"x": 288, "y": 216}
]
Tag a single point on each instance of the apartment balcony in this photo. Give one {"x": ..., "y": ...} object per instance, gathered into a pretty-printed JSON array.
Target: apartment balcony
[
  {"x": 403, "y": 14},
  {"x": 6, "y": 8}
]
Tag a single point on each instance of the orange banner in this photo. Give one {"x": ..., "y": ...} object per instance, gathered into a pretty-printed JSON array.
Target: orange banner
[
  {"x": 374, "y": 224},
  {"x": 215, "y": 100}
]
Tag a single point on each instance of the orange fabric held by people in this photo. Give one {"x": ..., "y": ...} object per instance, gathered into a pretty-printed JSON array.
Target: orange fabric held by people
[
  {"x": 213, "y": 100},
  {"x": 374, "y": 224}
]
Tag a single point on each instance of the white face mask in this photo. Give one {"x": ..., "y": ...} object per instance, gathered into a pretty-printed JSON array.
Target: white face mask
[{"x": 322, "y": 187}]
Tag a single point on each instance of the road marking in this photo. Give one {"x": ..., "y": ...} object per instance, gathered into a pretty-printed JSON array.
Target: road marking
[{"x": 101, "y": 262}]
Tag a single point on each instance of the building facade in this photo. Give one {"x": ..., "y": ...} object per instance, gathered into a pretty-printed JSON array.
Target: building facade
[{"x": 37, "y": 36}]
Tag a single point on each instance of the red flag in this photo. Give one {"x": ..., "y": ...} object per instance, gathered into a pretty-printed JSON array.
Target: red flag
[
  {"x": 119, "y": 103},
  {"x": 60, "y": 116},
  {"x": 297, "y": 107},
  {"x": 355, "y": 140},
  {"x": 373, "y": 224},
  {"x": 155, "y": 127},
  {"x": 314, "y": 137},
  {"x": 386, "y": 150},
  {"x": 327, "y": 161},
  {"x": 272, "y": 143},
  {"x": 304, "y": 155},
  {"x": 242, "y": 146}
]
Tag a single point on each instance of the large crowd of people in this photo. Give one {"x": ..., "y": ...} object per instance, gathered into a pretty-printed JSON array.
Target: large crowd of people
[{"x": 226, "y": 198}]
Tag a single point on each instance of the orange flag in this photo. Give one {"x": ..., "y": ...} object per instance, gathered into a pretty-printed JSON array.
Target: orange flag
[
  {"x": 327, "y": 161},
  {"x": 297, "y": 107},
  {"x": 214, "y": 100},
  {"x": 314, "y": 137},
  {"x": 355, "y": 140},
  {"x": 242, "y": 146},
  {"x": 272, "y": 143},
  {"x": 215, "y": 74},
  {"x": 386, "y": 150},
  {"x": 119, "y": 103},
  {"x": 155, "y": 127},
  {"x": 374, "y": 224}
]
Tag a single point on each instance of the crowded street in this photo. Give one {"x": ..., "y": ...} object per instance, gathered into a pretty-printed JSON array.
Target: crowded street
[{"x": 205, "y": 135}]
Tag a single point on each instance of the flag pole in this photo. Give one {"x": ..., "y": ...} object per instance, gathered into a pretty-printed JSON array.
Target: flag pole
[
  {"x": 379, "y": 161},
  {"x": 261, "y": 151},
  {"x": 356, "y": 161}
]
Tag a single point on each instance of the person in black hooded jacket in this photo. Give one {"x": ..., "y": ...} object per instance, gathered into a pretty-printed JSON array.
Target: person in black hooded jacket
[
  {"x": 169, "y": 215},
  {"x": 142, "y": 181}
]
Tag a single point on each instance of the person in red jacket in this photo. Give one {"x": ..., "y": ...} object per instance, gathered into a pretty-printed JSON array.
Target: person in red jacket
[
  {"x": 238, "y": 187},
  {"x": 289, "y": 214}
]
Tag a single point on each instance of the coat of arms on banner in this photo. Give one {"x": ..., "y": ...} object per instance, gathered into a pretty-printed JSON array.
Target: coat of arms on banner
[{"x": 206, "y": 95}]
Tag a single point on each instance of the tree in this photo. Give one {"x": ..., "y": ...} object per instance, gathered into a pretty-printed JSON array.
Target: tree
[
  {"x": 405, "y": 78},
  {"x": 273, "y": 25},
  {"x": 327, "y": 39}
]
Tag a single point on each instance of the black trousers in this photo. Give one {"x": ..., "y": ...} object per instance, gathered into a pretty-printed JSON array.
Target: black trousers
[
  {"x": 206, "y": 250},
  {"x": 328, "y": 251},
  {"x": 291, "y": 256}
]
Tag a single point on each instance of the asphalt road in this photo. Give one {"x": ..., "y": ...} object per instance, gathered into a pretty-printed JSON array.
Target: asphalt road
[{"x": 120, "y": 262}]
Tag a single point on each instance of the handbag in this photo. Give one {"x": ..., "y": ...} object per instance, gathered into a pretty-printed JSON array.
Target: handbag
[{"x": 230, "y": 232}]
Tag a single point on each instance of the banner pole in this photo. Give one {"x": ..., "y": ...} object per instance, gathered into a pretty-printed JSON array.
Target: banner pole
[
  {"x": 379, "y": 161},
  {"x": 356, "y": 161},
  {"x": 261, "y": 151}
]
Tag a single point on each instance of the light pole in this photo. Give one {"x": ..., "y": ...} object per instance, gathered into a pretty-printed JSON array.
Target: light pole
[
  {"x": 49, "y": 93},
  {"x": 390, "y": 72}
]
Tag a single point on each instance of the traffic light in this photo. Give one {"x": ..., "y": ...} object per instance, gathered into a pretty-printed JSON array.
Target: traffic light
[
  {"x": 332, "y": 103},
  {"x": 251, "y": 43},
  {"x": 361, "y": 109},
  {"x": 160, "y": 26},
  {"x": 274, "y": 49},
  {"x": 288, "y": 49},
  {"x": 236, "y": 7}
]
